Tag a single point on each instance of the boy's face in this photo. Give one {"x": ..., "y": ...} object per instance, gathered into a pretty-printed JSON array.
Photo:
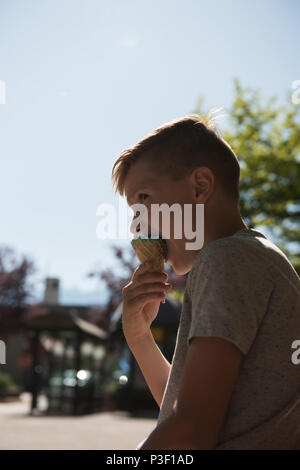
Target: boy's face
[{"x": 145, "y": 186}]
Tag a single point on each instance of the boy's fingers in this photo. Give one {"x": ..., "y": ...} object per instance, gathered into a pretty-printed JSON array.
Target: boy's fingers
[
  {"x": 141, "y": 300},
  {"x": 142, "y": 268},
  {"x": 147, "y": 288}
]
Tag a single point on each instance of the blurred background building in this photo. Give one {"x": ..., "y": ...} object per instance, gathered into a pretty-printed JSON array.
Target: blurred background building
[{"x": 70, "y": 365}]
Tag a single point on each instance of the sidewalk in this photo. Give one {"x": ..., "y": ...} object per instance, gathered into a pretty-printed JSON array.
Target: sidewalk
[{"x": 108, "y": 430}]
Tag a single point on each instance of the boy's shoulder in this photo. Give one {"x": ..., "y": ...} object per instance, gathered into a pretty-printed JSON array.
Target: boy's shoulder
[
  {"x": 245, "y": 240},
  {"x": 246, "y": 251}
]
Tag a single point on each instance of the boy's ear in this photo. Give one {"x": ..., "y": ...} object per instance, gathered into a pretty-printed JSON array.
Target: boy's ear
[{"x": 202, "y": 179}]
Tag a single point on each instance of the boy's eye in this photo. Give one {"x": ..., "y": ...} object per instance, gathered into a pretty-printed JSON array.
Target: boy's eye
[{"x": 142, "y": 196}]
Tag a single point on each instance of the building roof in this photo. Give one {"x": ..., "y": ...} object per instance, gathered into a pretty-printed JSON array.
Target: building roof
[{"x": 64, "y": 318}]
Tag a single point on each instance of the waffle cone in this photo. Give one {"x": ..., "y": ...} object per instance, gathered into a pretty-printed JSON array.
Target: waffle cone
[{"x": 150, "y": 250}]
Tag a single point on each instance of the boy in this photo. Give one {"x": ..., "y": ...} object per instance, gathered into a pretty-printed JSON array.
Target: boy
[{"x": 232, "y": 383}]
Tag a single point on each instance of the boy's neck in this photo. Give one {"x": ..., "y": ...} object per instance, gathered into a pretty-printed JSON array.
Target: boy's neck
[{"x": 225, "y": 230}]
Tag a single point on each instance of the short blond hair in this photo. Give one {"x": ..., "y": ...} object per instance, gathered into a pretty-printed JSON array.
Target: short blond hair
[{"x": 178, "y": 147}]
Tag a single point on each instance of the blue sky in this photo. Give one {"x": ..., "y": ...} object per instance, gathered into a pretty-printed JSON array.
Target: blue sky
[{"x": 87, "y": 79}]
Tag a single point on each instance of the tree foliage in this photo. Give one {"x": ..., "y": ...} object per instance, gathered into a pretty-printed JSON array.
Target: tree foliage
[
  {"x": 266, "y": 139},
  {"x": 15, "y": 288}
]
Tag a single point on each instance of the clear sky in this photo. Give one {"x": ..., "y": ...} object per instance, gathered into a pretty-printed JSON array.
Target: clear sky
[{"x": 86, "y": 79}]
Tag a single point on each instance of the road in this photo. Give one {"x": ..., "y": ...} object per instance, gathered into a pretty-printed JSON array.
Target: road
[{"x": 110, "y": 430}]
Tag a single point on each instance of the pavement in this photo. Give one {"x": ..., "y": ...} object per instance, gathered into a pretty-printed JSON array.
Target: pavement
[{"x": 110, "y": 430}]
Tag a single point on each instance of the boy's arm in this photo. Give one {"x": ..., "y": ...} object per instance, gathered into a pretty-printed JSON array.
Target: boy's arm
[
  {"x": 153, "y": 364},
  {"x": 210, "y": 372}
]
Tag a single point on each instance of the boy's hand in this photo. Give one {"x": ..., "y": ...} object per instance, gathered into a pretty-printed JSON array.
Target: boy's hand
[{"x": 141, "y": 300}]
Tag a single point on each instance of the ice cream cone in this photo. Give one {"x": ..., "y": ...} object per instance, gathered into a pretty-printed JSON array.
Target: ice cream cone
[{"x": 151, "y": 249}]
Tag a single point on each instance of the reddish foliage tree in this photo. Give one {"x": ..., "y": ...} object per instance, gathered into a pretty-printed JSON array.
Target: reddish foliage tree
[{"x": 15, "y": 289}]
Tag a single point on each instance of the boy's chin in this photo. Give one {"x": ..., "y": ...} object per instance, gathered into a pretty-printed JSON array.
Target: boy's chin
[{"x": 178, "y": 268}]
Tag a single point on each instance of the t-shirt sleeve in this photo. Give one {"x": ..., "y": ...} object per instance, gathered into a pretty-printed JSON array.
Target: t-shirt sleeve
[{"x": 229, "y": 290}]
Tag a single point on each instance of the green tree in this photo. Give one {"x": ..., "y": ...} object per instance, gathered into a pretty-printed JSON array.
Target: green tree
[{"x": 266, "y": 140}]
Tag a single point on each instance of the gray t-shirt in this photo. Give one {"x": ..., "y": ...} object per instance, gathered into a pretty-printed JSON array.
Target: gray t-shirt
[{"x": 244, "y": 289}]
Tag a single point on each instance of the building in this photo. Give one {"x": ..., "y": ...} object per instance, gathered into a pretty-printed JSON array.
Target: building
[
  {"x": 65, "y": 376},
  {"x": 71, "y": 366}
]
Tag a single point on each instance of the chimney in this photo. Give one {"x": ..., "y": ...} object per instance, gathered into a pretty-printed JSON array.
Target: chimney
[{"x": 51, "y": 291}]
